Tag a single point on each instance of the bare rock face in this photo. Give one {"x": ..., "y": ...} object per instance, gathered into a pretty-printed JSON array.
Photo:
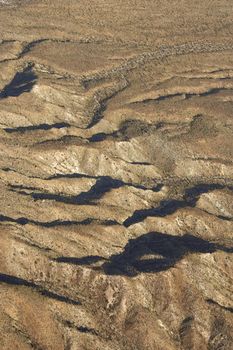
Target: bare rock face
[{"x": 116, "y": 175}]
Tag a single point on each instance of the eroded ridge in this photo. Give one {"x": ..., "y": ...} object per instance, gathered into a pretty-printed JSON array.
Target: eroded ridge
[{"x": 116, "y": 175}]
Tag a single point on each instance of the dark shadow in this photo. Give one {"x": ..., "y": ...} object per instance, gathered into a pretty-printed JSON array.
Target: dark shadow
[
  {"x": 103, "y": 185},
  {"x": 24, "y": 221},
  {"x": 211, "y": 301},
  {"x": 210, "y": 92},
  {"x": 127, "y": 130},
  {"x": 107, "y": 179},
  {"x": 141, "y": 163},
  {"x": 99, "y": 137},
  {"x": 158, "y": 99},
  {"x": 155, "y": 188},
  {"x": 98, "y": 115},
  {"x": 103, "y": 104},
  {"x": 152, "y": 252},
  {"x": 71, "y": 176},
  {"x": 23, "y": 129},
  {"x": 165, "y": 208},
  {"x": 82, "y": 329},
  {"x": 168, "y": 207},
  {"x": 27, "y": 48},
  {"x": 87, "y": 260},
  {"x": 192, "y": 194},
  {"x": 16, "y": 281},
  {"x": 21, "y": 83}
]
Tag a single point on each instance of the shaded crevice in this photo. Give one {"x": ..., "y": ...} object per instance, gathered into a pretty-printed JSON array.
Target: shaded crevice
[
  {"x": 8, "y": 59},
  {"x": 168, "y": 207},
  {"x": 27, "y": 48},
  {"x": 150, "y": 253},
  {"x": 32, "y": 244},
  {"x": 21, "y": 83},
  {"x": 165, "y": 208},
  {"x": 81, "y": 329},
  {"x": 99, "y": 113},
  {"x": 8, "y": 41},
  {"x": 84, "y": 329},
  {"x": 140, "y": 163},
  {"x": 168, "y": 180},
  {"x": 185, "y": 327},
  {"x": 127, "y": 130},
  {"x": 23, "y": 129},
  {"x": 21, "y": 187},
  {"x": 87, "y": 260},
  {"x": 103, "y": 185},
  {"x": 64, "y": 140},
  {"x": 16, "y": 281},
  {"x": 71, "y": 176},
  {"x": 8, "y": 170},
  {"x": 132, "y": 128},
  {"x": 159, "y": 98},
  {"x": 192, "y": 194},
  {"x": 24, "y": 221},
  {"x": 209, "y": 92},
  {"x": 100, "y": 137},
  {"x": 212, "y": 302},
  {"x": 106, "y": 184}
]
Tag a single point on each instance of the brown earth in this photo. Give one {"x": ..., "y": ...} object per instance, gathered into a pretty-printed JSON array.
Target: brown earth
[{"x": 116, "y": 175}]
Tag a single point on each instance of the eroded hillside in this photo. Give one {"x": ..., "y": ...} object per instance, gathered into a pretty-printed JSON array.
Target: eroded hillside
[{"x": 116, "y": 175}]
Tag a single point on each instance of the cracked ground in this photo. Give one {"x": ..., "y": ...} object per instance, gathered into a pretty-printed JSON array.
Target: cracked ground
[{"x": 116, "y": 175}]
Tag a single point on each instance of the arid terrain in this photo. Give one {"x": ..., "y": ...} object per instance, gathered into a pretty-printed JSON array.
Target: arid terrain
[{"x": 116, "y": 175}]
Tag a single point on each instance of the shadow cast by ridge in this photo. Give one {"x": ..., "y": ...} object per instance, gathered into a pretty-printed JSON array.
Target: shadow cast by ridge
[
  {"x": 103, "y": 185},
  {"x": 152, "y": 252},
  {"x": 38, "y": 127},
  {"x": 22, "y": 82},
  {"x": 16, "y": 281},
  {"x": 167, "y": 207}
]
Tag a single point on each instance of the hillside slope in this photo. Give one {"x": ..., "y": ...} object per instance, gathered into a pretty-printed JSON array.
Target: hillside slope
[{"x": 116, "y": 175}]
